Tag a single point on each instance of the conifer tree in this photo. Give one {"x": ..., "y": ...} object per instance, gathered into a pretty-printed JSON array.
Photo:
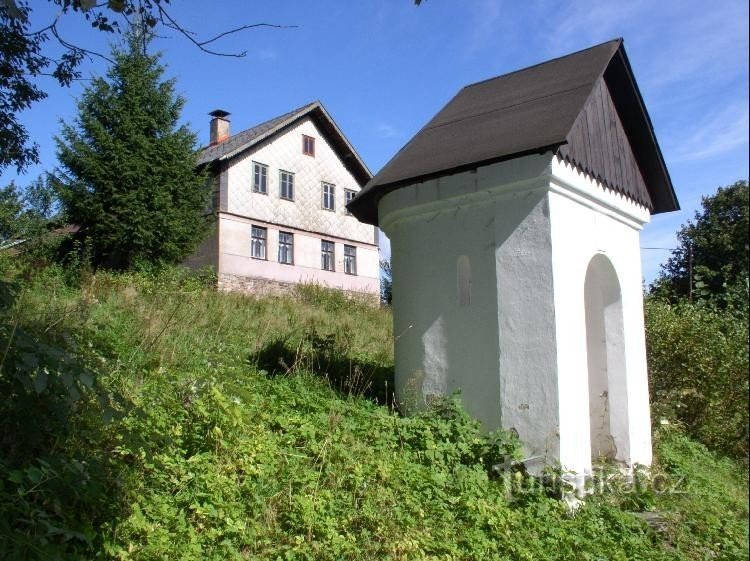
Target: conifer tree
[{"x": 128, "y": 176}]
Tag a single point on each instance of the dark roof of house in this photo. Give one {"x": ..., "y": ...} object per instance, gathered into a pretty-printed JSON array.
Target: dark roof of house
[
  {"x": 525, "y": 112},
  {"x": 242, "y": 141},
  {"x": 15, "y": 246}
]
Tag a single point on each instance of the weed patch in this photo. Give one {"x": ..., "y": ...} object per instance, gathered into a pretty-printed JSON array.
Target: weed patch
[{"x": 263, "y": 428}]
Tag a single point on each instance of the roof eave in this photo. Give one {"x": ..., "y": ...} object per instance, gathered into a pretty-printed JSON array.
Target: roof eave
[
  {"x": 663, "y": 194},
  {"x": 263, "y": 136},
  {"x": 364, "y": 206},
  {"x": 361, "y": 171}
]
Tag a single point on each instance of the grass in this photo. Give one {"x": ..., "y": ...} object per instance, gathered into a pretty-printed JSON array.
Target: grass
[{"x": 264, "y": 428}]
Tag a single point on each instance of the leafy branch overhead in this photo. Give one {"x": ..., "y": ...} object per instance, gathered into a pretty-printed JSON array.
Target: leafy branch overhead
[
  {"x": 710, "y": 262},
  {"x": 25, "y": 54}
]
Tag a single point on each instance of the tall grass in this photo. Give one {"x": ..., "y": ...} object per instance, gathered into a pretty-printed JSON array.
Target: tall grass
[{"x": 159, "y": 419}]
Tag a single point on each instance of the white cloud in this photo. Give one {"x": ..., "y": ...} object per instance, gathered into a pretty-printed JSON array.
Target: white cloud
[
  {"x": 385, "y": 130},
  {"x": 672, "y": 41},
  {"x": 485, "y": 26},
  {"x": 266, "y": 54},
  {"x": 581, "y": 24},
  {"x": 711, "y": 44},
  {"x": 714, "y": 134},
  {"x": 690, "y": 63}
]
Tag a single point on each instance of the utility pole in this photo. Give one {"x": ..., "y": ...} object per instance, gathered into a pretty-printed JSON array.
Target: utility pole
[{"x": 690, "y": 271}]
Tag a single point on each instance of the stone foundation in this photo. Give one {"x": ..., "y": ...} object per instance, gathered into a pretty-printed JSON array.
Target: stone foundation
[
  {"x": 264, "y": 287},
  {"x": 253, "y": 285}
]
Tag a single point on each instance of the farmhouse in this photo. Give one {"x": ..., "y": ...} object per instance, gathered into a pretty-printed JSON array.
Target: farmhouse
[
  {"x": 514, "y": 217},
  {"x": 280, "y": 194}
]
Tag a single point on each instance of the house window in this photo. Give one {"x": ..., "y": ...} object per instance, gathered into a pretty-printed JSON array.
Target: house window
[
  {"x": 260, "y": 178},
  {"x": 258, "y": 243},
  {"x": 348, "y": 196},
  {"x": 286, "y": 248},
  {"x": 286, "y": 181},
  {"x": 350, "y": 260},
  {"x": 308, "y": 145},
  {"x": 329, "y": 196},
  {"x": 327, "y": 257}
]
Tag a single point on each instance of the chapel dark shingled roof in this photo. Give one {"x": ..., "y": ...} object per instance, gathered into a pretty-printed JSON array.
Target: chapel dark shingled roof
[
  {"x": 529, "y": 111},
  {"x": 238, "y": 143}
]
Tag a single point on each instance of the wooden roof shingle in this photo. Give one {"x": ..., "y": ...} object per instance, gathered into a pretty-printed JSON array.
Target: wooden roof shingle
[{"x": 534, "y": 110}]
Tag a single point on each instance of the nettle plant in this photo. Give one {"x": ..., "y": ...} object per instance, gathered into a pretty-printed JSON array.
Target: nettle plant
[{"x": 56, "y": 484}]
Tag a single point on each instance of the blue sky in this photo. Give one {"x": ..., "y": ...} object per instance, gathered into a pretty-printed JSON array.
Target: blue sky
[{"x": 383, "y": 68}]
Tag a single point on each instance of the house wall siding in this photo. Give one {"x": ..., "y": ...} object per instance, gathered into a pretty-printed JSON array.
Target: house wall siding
[
  {"x": 284, "y": 152},
  {"x": 236, "y": 260},
  {"x": 238, "y": 208}
]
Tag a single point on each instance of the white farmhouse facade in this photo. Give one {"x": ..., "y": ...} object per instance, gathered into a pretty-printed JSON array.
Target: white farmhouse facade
[
  {"x": 280, "y": 194},
  {"x": 514, "y": 218}
]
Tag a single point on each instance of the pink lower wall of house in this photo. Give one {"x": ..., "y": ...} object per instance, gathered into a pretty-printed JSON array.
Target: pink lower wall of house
[{"x": 235, "y": 258}]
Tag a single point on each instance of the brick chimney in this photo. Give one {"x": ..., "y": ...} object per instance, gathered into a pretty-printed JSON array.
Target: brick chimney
[{"x": 219, "y": 126}]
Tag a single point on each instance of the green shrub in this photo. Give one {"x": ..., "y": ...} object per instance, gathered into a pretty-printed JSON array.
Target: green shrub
[
  {"x": 698, "y": 362},
  {"x": 214, "y": 456},
  {"x": 706, "y": 506},
  {"x": 57, "y": 483}
]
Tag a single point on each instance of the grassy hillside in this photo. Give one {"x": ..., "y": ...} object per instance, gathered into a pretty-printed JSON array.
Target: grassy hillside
[{"x": 148, "y": 417}]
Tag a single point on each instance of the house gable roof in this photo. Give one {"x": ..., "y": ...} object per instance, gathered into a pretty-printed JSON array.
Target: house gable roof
[
  {"x": 527, "y": 111},
  {"x": 247, "y": 139}
]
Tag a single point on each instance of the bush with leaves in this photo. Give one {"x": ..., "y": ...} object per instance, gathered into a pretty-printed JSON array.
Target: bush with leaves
[
  {"x": 31, "y": 47},
  {"x": 218, "y": 459},
  {"x": 712, "y": 256},
  {"x": 26, "y": 215},
  {"x": 386, "y": 282},
  {"x": 698, "y": 361},
  {"x": 57, "y": 482}
]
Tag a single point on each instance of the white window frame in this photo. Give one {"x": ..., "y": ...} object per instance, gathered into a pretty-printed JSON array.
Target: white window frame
[
  {"x": 329, "y": 196},
  {"x": 350, "y": 259},
  {"x": 286, "y": 248},
  {"x": 328, "y": 255},
  {"x": 258, "y": 242},
  {"x": 348, "y": 196},
  {"x": 260, "y": 178},
  {"x": 286, "y": 182}
]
